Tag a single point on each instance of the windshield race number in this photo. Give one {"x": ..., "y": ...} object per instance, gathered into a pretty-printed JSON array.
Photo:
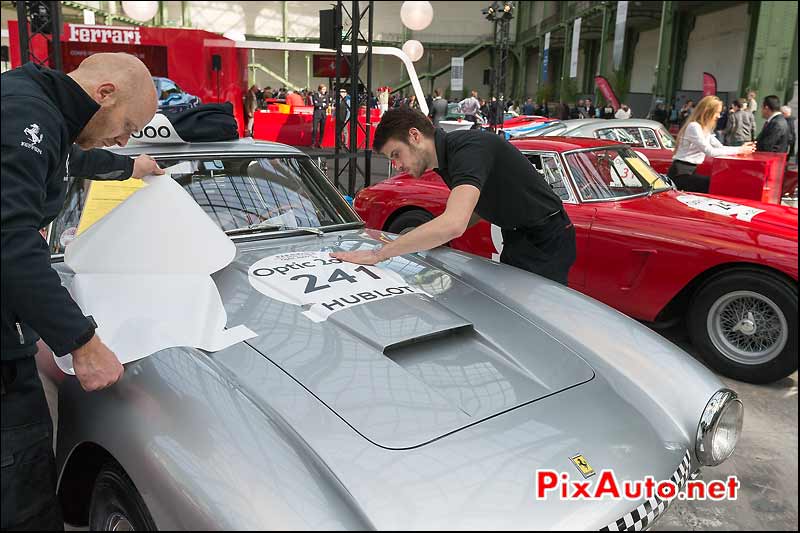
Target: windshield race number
[{"x": 323, "y": 284}]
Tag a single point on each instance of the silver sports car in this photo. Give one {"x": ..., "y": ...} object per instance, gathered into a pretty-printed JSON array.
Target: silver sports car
[{"x": 424, "y": 392}]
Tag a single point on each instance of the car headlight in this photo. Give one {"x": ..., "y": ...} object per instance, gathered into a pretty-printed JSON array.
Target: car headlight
[{"x": 719, "y": 428}]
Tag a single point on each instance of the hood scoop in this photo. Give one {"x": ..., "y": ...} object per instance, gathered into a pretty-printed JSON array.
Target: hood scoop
[{"x": 395, "y": 331}]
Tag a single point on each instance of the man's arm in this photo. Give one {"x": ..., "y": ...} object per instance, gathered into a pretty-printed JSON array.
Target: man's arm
[
  {"x": 442, "y": 229},
  {"x": 104, "y": 165},
  {"x": 31, "y": 289}
]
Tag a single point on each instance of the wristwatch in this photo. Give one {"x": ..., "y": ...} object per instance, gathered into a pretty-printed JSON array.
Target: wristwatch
[{"x": 87, "y": 336}]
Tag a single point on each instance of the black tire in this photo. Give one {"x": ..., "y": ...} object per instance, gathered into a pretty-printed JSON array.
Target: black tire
[
  {"x": 761, "y": 293},
  {"x": 115, "y": 498},
  {"x": 409, "y": 220}
]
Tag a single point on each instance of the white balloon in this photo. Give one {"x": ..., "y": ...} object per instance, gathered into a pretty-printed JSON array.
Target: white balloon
[
  {"x": 141, "y": 11},
  {"x": 416, "y": 15},
  {"x": 235, "y": 35},
  {"x": 413, "y": 49}
]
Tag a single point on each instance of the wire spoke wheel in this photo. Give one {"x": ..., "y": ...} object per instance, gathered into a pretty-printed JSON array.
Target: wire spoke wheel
[{"x": 747, "y": 327}]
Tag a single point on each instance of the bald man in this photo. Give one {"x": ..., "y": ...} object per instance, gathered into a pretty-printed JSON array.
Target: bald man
[{"x": 104, "y": 101}]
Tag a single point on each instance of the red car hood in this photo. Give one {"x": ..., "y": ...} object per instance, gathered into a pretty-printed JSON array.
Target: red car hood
[{"x": 776, "y": 220}]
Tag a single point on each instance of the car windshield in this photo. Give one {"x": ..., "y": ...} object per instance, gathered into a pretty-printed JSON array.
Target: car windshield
[
  {"x": 619, "y": 134},
  {"x": 236, "y": 192},
  {"x": 666, "y": 138},
  {"x": 609, "y": 173},
  {"x": 550, "y": 130}
]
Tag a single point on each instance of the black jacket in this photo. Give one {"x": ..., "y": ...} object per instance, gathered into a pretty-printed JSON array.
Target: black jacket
[
  {"x": 321, "y": 103},
  {"x": 42, "y": 113},
  {"x": 774, "y": 136}
]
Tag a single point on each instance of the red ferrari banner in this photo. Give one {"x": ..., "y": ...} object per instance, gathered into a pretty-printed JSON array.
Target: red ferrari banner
[
  {"x": 709, "y": 84},
  {"x": 607, "y": 91}
]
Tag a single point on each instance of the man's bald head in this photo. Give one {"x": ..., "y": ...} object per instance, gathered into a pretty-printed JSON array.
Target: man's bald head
[{"x": 124, "y": 88}]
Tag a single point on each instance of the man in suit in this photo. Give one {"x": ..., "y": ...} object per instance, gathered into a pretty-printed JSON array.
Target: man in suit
[
  {"x": 791, "y": 121},
  {"x": 438, "y": 108},
  {"x": 774, "y": 136},
  {"x": 321, "y": 102}
]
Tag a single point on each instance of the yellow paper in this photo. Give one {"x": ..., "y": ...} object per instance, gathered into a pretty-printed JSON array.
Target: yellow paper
[
  {"x": 103, "y": 197},
  {"x": 646, "y": 172}
]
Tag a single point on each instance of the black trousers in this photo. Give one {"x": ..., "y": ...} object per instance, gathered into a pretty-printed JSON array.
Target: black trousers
[
  {"x": 547, "y": 249},
  {"x": 28, "y": 466},
  {"x": 318, "y": 121},
  {"x": 682, "y": 173}
]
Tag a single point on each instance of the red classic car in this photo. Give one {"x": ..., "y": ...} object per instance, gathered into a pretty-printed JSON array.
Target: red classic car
[
  {"x": 726, "y": 266},
  {"x": 760, "y": 176}
]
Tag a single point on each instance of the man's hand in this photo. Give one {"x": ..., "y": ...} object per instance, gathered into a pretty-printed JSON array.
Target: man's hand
[
  {"x": 144, "y": 165},
  {"x": 96, "y": 367},
  {"x": 361, "y": 257}
]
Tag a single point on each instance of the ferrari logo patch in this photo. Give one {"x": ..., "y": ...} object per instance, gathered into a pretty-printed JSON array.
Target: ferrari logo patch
[{"x": 582, "y": 465}]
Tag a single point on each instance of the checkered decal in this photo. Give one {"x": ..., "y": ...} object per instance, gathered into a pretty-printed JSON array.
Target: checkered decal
[{"x": 646, "y": 514}]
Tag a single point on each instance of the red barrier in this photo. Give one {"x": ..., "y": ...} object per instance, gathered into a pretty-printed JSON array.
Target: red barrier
[
  {"x": 757, "y": 176},
  {"x": 295, "y": 129}
]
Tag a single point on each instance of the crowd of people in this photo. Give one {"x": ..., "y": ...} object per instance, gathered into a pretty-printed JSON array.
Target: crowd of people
[{"x": 735, "y": 126}]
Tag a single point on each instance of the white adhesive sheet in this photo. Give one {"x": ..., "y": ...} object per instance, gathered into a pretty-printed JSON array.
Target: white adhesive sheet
[{"x": 143, "y": 272}]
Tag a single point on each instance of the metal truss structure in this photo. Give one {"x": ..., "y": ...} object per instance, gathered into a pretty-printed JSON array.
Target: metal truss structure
[
  {"x": 348, "y": 148},
  {"x": 40, "y": 20}
]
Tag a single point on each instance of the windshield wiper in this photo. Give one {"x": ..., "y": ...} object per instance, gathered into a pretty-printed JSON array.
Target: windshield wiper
[{"x": 265, "y": 225}]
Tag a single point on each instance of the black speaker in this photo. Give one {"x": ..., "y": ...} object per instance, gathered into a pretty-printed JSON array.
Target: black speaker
[
  {"x": 487, "y": 76},
  {"x": 330, "y": 28},
  {"x": 216, "y": 62}
]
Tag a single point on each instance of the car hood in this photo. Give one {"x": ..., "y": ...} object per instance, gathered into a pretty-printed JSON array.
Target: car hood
[
  {"x": 729, "y": 212},
  {"x": 403, "y": 368}
]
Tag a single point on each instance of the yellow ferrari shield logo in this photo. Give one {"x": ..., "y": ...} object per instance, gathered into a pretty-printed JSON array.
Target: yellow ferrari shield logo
[{"x": 582, "y": 465}]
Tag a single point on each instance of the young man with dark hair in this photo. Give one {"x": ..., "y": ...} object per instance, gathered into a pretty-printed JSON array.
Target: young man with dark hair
[
  {"x": 490, "y": 179},
  {"x": 774, "y": 136}
]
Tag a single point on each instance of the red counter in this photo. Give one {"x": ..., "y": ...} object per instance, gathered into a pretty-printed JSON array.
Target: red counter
[
  {"x": 757, "y": 176},
  {"x": 295, "y": 128}
]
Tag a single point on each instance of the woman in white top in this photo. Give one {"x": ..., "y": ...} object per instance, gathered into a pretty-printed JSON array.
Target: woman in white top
[
  {"x": 695, "y": 141},
  {"x": 624, "y": 112}
]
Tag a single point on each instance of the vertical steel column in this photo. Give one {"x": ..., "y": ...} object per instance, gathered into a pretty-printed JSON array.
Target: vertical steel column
[
  {"x": 24, "y": 36},
  {"x": 601, "y": 60},
  {"x": 42, "y": 19},
  {"x": 772, "y": 51},
  {"x": 367, "y": 137},
  {"x": 565, "y": 61},
  {"x": 337, "y": 98},
  {"x": 663, "y": 73},
  {"x": 355, "y": 98},
  {"x": 285, "y": 39}
]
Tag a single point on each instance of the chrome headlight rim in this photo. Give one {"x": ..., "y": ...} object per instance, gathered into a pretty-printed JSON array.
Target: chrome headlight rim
[{"x": 716, "y": 407}]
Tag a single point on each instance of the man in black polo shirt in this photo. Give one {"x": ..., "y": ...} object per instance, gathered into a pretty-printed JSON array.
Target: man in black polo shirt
[{"x": 490, "y": 179}]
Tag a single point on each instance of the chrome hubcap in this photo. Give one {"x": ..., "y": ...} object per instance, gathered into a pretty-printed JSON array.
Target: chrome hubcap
[
  {"x": 747, "y": 327},
  {"x": 119, "y": 522}
]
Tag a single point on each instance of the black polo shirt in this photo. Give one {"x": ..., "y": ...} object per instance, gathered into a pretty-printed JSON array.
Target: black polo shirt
[{"x": 513, "y": 193}]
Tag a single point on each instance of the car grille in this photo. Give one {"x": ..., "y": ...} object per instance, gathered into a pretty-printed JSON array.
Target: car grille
[{"x": 646, "y": 514}]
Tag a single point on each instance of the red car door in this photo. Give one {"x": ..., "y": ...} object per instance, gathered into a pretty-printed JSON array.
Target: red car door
[{"x": 619, "y": 247}]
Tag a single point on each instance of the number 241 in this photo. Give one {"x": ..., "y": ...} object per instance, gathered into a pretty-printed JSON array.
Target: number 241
[{"x": 337, "y": 275}]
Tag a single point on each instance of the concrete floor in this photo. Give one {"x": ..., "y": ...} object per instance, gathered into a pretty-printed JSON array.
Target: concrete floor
[{"x": 765, "y": 462}]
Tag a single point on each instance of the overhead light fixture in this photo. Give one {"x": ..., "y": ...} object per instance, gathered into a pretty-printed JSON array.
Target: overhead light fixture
[{"x": 499, "y": 11}]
